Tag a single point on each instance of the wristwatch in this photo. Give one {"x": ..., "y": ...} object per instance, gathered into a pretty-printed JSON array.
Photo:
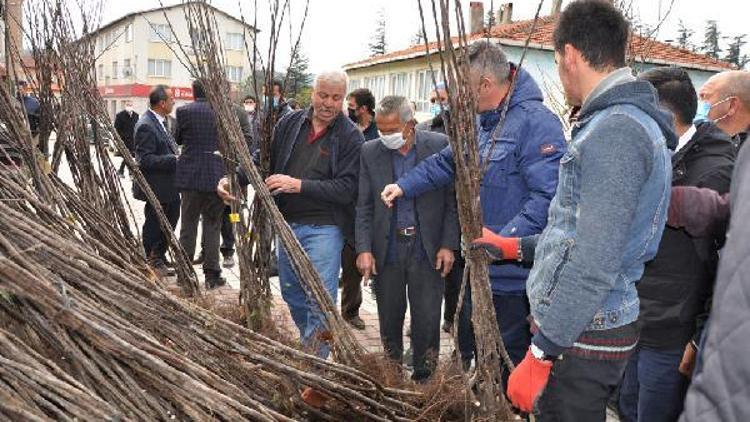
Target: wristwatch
[{"x": 540, "y": 355}]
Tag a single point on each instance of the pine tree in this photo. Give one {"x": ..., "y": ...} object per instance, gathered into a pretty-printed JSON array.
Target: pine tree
[
  {"x": 378, "y": 46},
  {"x": 711, "y": 40},
  {"x": 684, "y": 35},
  {"x": 734, "y": 51},
  {"x": 297, "y": 75},
  {"x": 417, "y": 38}
]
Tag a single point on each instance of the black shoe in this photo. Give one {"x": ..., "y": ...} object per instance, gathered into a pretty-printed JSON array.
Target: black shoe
[
  {"x": 161, "y": 269},
  {"x": 199, "y": 260},
  {"x": 228, "y": 262},
  {"x": 356, "y": 322},
  {"x": 213, "y": 282}
]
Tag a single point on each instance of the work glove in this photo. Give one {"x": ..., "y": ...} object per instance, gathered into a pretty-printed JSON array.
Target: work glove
[
  {"x": 527, "y": 381},
  {"x": 497, "y": 247}
]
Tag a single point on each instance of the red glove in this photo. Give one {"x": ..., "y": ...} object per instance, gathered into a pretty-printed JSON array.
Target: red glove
[
  {"x": 527, "y": 381},
  {"x": 498, "y": 247}
]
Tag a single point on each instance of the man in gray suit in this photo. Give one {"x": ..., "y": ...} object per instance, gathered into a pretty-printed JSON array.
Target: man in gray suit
[{"x": 410, "y": 246}]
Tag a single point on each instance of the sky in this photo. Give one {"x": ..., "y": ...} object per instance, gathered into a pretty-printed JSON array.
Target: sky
[{"x": 338, "y": 32}]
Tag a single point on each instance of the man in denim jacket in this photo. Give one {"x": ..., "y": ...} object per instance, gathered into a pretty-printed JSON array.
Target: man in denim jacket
[{"x": 605, "y": 222}]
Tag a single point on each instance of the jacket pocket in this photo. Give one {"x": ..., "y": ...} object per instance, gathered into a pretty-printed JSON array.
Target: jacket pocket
[
  {"x": 497, "y": 162},
  {"x": 558, "y": 265}
]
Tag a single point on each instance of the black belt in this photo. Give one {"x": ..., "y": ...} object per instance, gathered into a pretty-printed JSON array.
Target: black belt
[{"x": 407, "y": 232}]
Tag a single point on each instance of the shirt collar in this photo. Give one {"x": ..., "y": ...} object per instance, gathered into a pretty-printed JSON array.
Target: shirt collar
[
  {"x": 685, "y": 138},
  {"x": 158, "y": 116}
]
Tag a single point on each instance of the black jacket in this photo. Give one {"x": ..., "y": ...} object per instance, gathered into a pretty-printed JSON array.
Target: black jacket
[
  {"x": 436, "y": 210},
  {"x": 156, "y": 155},
  {"x": 341, "y": 190},
  {"x": 125, "y": 127},
  {"x": 198, "y": 168},
  {"x": 676, "y": 286},
  {"x": 436, "y": 124}
]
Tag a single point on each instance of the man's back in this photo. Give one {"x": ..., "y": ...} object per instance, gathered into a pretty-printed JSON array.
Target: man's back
[{"x": 199, "y": 168}]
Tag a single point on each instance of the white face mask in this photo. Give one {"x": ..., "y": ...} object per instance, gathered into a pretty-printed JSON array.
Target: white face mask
[
  {"x": 394, "y": 141},
  {"x": 129, "y": 109},
  {"x": 249, "y": 108}
]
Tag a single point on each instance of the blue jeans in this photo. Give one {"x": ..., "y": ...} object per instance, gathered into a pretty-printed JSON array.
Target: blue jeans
[
  {"x": 653, "y": 389},
  {"x": 323, "y": 244}
]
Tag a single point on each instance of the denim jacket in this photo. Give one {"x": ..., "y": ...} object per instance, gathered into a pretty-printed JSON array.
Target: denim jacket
[{"x": 606, "y": 219}]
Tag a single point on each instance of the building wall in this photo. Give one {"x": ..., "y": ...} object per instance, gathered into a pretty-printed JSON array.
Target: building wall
[
  {"x": 117, "y": 88},
  {"x": 539, "y": 63}
]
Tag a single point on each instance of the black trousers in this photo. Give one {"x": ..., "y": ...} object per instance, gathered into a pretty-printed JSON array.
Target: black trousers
[
  {"x": 410, "y": 276},
  {"x": 209, "y": 207},
  {"x": 580, "y": 387},
  {"x": 227, "y": 233},
  {"x": 154, "y": 240},
  {"x": 351, "y": 283}
]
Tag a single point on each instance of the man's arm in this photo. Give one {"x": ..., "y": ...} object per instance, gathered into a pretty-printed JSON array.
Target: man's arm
[
  {"x": 615, "y": 162},
  {"x": 179, "y": 123},
  {"x": 120, "y": 125},
  {"x": 365, "y": 210},
  {"x": 539, "y": 165},
  {"x": 432, "y": 173},
  {"x": 342, "y": 188},
  {"x": 145, "y": 151},
  {"x": 701, "y": 212}
]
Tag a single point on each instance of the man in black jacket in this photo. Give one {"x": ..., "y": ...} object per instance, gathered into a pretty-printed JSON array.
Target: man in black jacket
[
  {"x": 410, "y": 246},
  {"x": 314, "y": 165},
  {"x": 676, "y": 285},
  {"x": 156, "y": 155},
  {"x": 124, "y": 124}
]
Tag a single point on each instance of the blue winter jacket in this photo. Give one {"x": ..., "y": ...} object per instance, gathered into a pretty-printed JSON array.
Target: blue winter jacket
[{"x": 521, "y": 176}]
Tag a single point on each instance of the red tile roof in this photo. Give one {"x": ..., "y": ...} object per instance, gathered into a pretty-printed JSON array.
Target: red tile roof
[{"x": 642, "y": 48}]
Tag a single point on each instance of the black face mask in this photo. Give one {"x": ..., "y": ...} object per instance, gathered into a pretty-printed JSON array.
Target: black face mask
[{"x": 352, "y": 114}]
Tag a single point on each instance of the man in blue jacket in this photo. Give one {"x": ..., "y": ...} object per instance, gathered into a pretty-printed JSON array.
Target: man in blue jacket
[
  {"x": 605, "y": 222},
  {"x": 522, "y": 157}
]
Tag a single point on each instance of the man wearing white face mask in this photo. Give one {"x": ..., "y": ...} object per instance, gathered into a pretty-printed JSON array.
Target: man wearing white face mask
[
  {"x": 724, "y": 99},
  {"x": 409, "y": 246},
  {"x": 124, "y": 124}
]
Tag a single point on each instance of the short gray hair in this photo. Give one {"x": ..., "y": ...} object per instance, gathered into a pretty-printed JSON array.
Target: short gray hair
[
  {"x": 737, "y": 84},
  {"x": 487, "y": 58},
  {"x": 333, "y": 76},
  {"x": 391, "y": 104}
]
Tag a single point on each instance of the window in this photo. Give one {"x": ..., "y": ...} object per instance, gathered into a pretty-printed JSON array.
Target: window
[
  {"x": 160, "y": 33},
  {"x": 234, "y": 41},
  {"x": 424, "y": 88},
  {"x": 401, "y": 85},
  {"x": 129, "y": 33},
  {"x": 115, "y": 70},
  {"x": 160, "y": 68},
  {"x": 126, "y": 70},
  {"x": 376, "y": 85},
  {"x": 354, "y": 84},
  {"x": 100, "y": 73},
  {"x": 234, "y": 73}
]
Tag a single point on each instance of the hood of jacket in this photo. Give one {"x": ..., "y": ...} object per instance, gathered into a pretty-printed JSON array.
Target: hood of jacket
[
  {"x": 526, "y": 89},
  {"x": 640, "y": 94}
]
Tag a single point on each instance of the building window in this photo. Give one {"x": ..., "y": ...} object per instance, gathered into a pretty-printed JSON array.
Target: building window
[
  {"x": 160, "y": 33},
  {"x": 376, "y": 85},
  {"x": 401, "y": 84},
  {"x": 115, "y": 70},
  {"x": 126, "y": 70},
  {"x": 424, "y": 88},
  {"x": 129, "y": 33},
  {"x": 160, "y": 68},
  {"x": 234, "y": 41},
  {"x": 354, "y": 84},
  {"x": 100, "y": 73},
  {"x": 234, "y": 73}
]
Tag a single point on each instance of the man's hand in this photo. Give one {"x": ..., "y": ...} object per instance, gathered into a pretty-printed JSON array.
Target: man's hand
[
  {"x": 497, "y": 247},
  {"x": 391, "y": 193},
  {"x": 688, "y": 360},
  {"x": 444, "y": 260},
  {"x": 281, "y": 183},
  {"x": 527, "y": 382},
  {"x": 222, "y": 189},
  {"x": 366, "y": 266}
]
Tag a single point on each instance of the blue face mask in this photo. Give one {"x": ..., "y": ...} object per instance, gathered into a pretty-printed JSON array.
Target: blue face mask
[
  {"x": 435, "y": 109},
  {"x": 704, "y": 107}
]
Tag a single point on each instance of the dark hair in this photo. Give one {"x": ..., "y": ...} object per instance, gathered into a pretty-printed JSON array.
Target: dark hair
[
  {"x": 597, "y": 29},
  {"x": 158, "y": 94},
  {"x": 363, "y": 97},
  {"x": 198, "y": 91},
  {"x": 278, "y": 83},
  {"x": 676, "y": 91},
  {"x": 249, "y": 97},
  {"x": 293, "y": 103}
]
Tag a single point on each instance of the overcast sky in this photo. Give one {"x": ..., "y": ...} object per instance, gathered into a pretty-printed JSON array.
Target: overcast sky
[{"x": 337, "y": 32}]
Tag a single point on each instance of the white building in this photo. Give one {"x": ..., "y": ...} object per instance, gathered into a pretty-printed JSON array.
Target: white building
[{"x": 141, "y": 50}]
